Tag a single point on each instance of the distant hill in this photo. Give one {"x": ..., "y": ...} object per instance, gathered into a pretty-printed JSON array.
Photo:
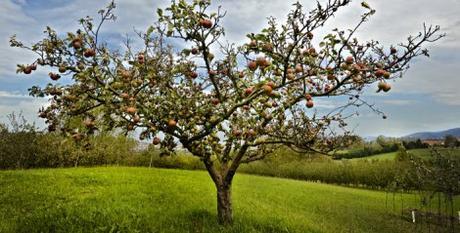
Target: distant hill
[{"x": 434, "y": 135}]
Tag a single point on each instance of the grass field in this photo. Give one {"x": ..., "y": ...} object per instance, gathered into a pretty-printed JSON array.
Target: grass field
[
  {"x": 421, "y": 153},
  {"x": 384, "y": 156},
  {"x": 120, "y": 199}
]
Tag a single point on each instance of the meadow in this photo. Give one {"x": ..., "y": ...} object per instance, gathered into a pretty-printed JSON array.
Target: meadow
[
  {"x": 421, "y": 153},
  {"x": 126, "y": 199},
  {"x": 49, "y": 184}
]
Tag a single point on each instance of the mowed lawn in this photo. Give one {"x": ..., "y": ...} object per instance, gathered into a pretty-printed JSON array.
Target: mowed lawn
[{"x": 123, "y": 199}]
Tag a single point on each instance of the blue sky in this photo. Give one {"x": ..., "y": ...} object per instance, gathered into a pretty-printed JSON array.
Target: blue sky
[{"x": 426, "y": 99}]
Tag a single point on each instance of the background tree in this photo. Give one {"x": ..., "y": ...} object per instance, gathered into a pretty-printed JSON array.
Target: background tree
[
  {"x": 17, "y": 139},
  {"x": 226, "y": 109},
  {"x": 450, "y": 141}
]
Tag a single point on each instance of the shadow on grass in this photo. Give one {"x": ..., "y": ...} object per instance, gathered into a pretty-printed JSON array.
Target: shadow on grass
[
  {"x": 109, "y": 220},
  {"x": 204, "y": 221}
]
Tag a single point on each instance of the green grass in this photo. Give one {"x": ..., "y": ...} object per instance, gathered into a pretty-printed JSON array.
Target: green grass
[
  {"x": 121, "y": 199},
  {"x": 421, "y": 153},
  {"x": 384, "y": 156},
  {"x": 426, "y": 153}
]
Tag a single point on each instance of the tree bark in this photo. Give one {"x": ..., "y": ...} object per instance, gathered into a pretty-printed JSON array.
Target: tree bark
[{"x": 224, "y": 204}]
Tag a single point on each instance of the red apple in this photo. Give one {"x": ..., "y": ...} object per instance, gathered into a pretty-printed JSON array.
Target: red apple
[
  {"x": 131, "y": 110},
  {"x": 193, "y": 75},
  {"x": 251, "y": 133},
  {"x": 252, "y": 65},
  {"x": 309, "y": 104},
  {"x": 54, "y": 76},
  {"x": 387, "y": 87},
  {"x": 124, "y": 95},
  {"x": 206, "y": 23},
  {"x": 349, "y": 60},
  {"x": 172, "y": 123},
  {"x": 379, "y": 73},
  {"x": 156, "y": 141},
  {"x": 267, "y": 89},
  {"x": 215, "y": 101},
  {"x": 141, "y": 58},
  {"x": 62, "y": 69},
  {"x": 387, "y": 75},
  {"x": 77, "y": 43},
  {"x": 194, "y": 51},
  {"x": 261, "y": 61},
  {"x": 136, "y": 119},
  {"x": 248, "y": 91},
  {"x": 268, "y": 47},
  {"x": 236, "y": 132},
  {"x": 89, "y": 53},
  {"x": 298, "y": 68},
  {"x": 27, "y": 70},
  {"x": 393, "y": 50}
]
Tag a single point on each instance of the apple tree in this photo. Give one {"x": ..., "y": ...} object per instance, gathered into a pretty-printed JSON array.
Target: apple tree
[{"x": 226, "y": 104}]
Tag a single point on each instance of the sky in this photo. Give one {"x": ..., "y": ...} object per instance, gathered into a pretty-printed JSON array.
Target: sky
[{"x": 427, "y": 98}]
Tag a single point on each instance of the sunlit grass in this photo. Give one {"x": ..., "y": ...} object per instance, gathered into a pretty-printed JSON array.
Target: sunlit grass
[{"x": 111, "y": 199}]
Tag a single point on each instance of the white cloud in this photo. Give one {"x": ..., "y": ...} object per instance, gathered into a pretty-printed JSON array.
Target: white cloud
[
  {"x": 326, "y": 104},
  {"x": 13, "y": 102},
  {"x": 436, "y": 77},
  {"x": 395, "y": 19},
  {"x": 400, "y": 102},
  {"x": 13, "y": 21}
]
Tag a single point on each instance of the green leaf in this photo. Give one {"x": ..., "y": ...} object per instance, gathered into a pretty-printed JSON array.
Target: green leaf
[
  {"x": 150, "y": 30},
  {"x": 182, "y": 4},
  {"x": 170, "y": 27},
  {"x": 365, "y": 5},
  {"x": 160, "y": 12}
]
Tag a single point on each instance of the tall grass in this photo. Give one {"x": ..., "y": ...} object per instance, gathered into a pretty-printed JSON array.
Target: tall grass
[{"x": 120, "y": 199}]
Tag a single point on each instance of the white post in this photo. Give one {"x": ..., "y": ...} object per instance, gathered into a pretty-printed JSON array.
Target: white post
[
  {"x": 413, "y": 216},
  {"x": 458, "y": 216}
]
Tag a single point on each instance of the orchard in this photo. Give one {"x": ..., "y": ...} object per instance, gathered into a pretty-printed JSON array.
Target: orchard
[{"x": 226, "y": 104}]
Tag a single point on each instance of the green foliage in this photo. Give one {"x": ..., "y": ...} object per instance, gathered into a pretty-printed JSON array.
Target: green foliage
[
  {"x": 181, "y": 159},
  {"x": 157, "y": 200},
  {"x": 31, "y": 149},
  {"x": 371, "y": 174},
  {"x": 17, "y": 142},
  {"x": 288, "y": 164},
  {"x": 439, "y": 173},
  {"x": 402, "y": 155},
  {"x": 417, "y": 144},
  {"x": 378, "y": 146},
  {"x": 451, "y": 141},
  {"x": 384, "y": 156}
]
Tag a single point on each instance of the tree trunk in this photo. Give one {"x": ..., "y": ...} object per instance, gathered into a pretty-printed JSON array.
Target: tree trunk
[
  {"x": 151, "y": 161},
  {"x": 224, "y": 204}
]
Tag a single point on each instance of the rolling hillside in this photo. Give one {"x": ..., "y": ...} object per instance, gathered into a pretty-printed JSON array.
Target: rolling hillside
[
  {"x": 434, "y": 135},
  {"x": 120, "y": 199}
]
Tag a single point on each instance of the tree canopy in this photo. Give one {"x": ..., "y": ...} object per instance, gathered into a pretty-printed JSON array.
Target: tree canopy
[{"x": 227, "y": 109}]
